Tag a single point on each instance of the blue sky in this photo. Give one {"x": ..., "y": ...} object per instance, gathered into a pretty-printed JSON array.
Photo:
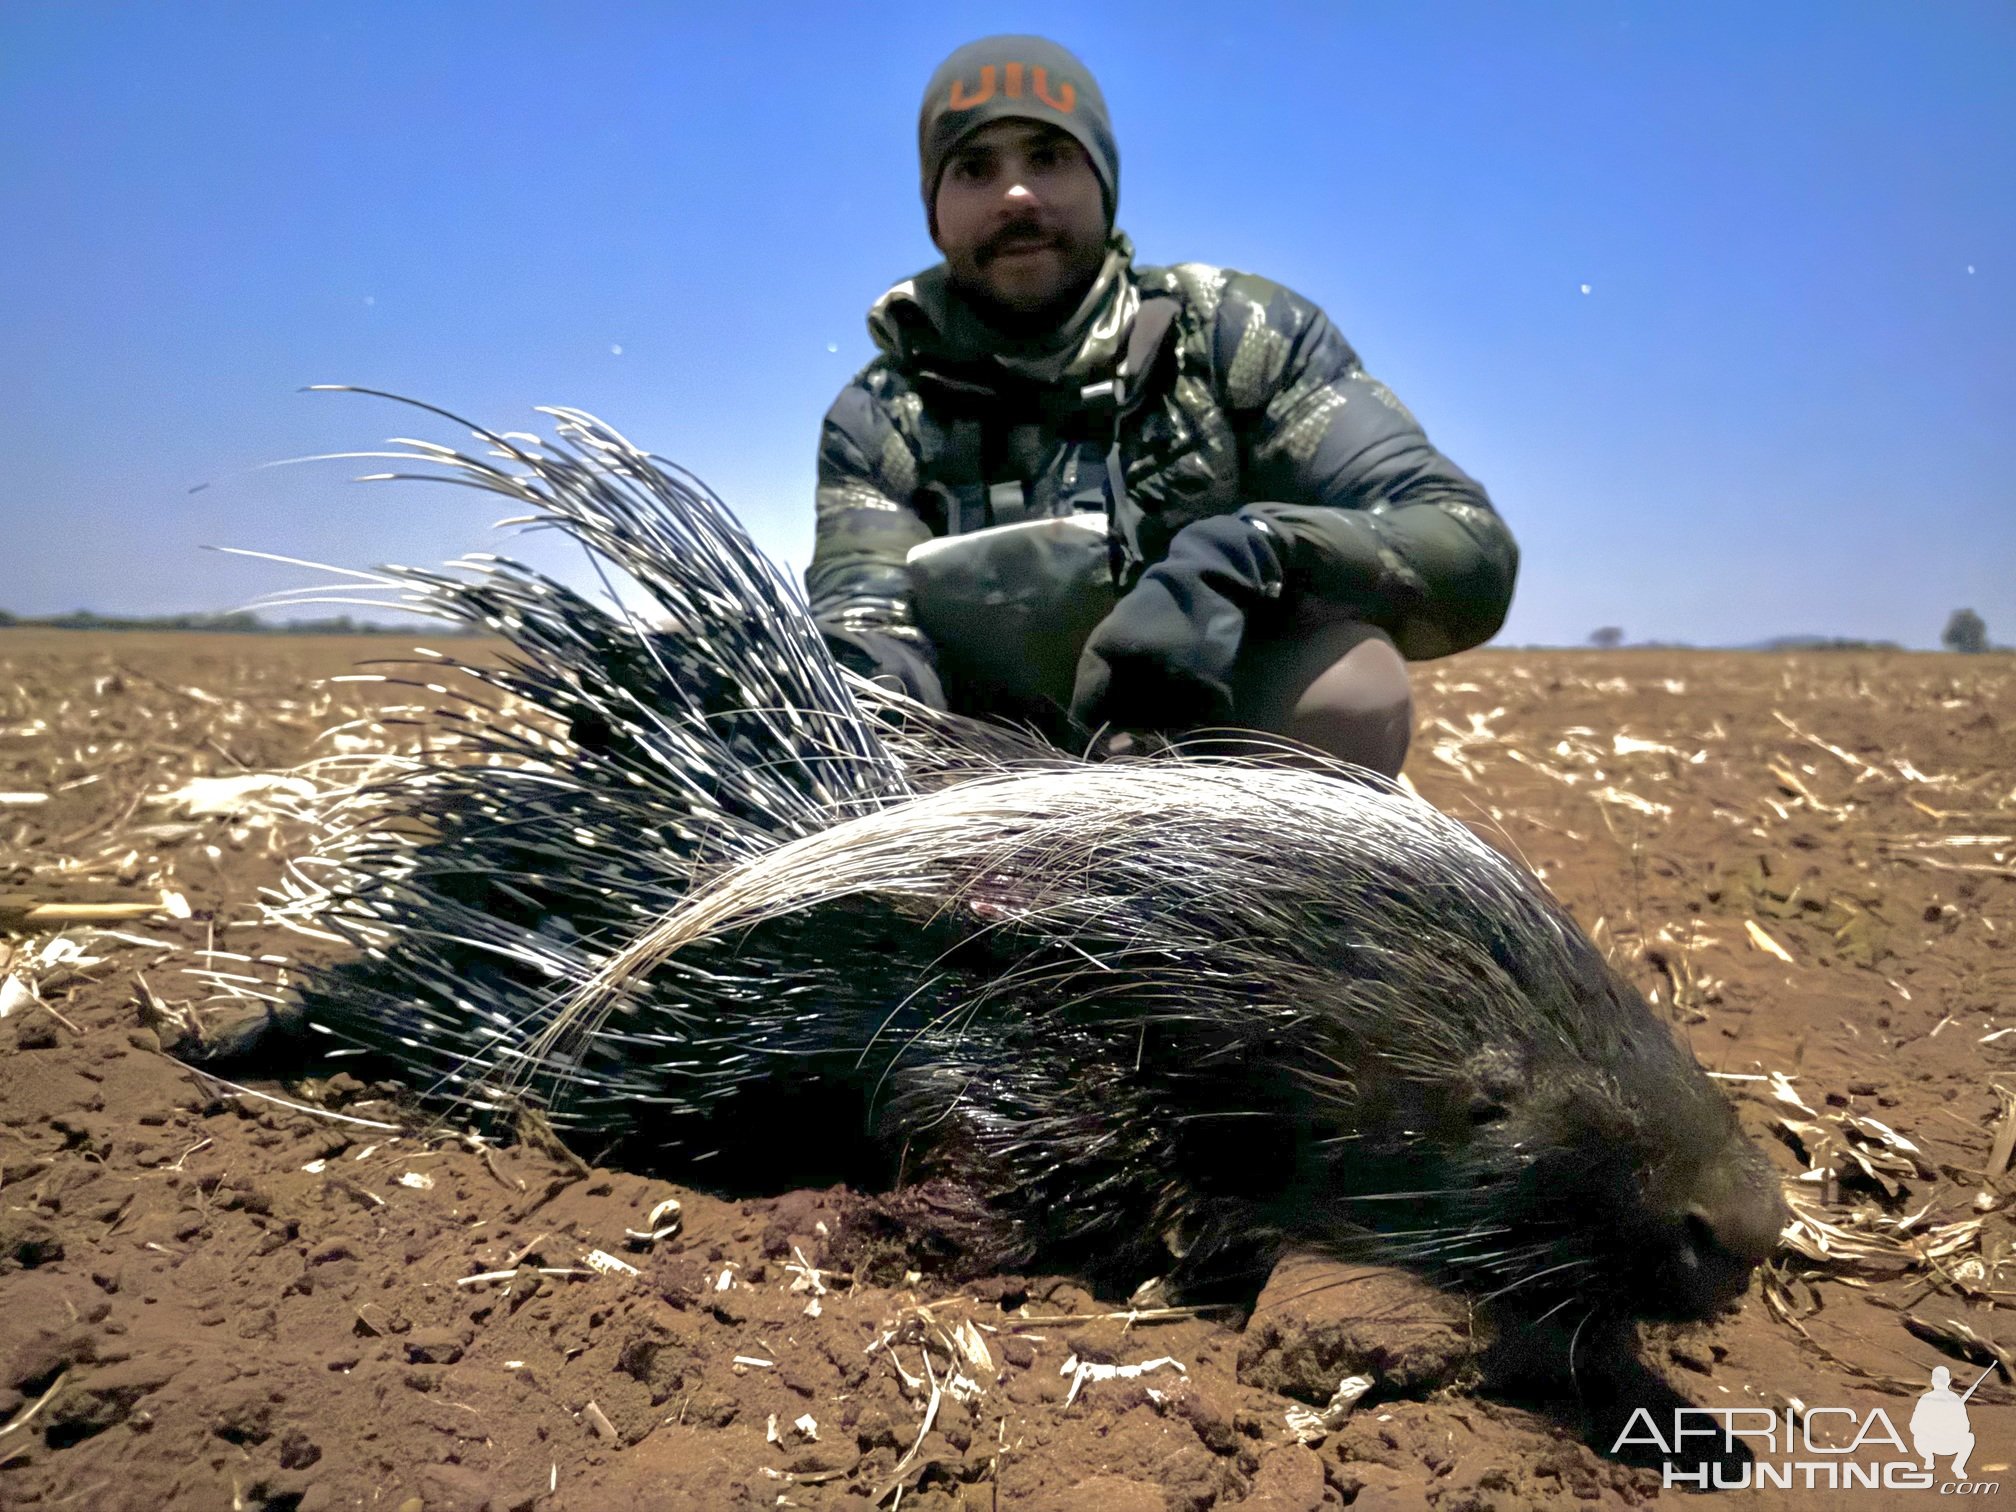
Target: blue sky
[{"x": 1786, "y": 402}]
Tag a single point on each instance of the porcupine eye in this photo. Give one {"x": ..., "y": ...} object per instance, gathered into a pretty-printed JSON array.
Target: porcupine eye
[{"x": 1494, "y": 1083}]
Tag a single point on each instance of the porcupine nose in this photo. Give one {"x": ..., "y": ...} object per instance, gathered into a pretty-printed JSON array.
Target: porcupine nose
[{"x": 1732, "y": 1226}]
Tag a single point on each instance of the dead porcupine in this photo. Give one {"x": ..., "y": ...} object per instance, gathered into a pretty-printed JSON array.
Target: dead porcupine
[{"x": 754, "y": 923}]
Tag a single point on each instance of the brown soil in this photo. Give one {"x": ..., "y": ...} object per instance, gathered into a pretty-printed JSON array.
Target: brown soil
[{"x": 209, "y": 1299}]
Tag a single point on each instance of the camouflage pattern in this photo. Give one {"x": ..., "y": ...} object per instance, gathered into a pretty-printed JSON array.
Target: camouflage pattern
[{"x": 1264, "y": 406}]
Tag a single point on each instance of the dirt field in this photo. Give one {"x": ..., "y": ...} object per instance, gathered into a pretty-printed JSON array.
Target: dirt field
[{"x": 209, "y": 1299}]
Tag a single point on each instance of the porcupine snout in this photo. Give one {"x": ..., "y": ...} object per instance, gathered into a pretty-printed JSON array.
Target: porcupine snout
[
  {"x": 1704, "y": 1208},
  {"x": 1729, "y": 1225},
  {"x": 1661, "y": 1205}
]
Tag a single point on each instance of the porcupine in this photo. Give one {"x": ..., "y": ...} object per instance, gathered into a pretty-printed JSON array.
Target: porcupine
[{"x": 754, "y": 921}]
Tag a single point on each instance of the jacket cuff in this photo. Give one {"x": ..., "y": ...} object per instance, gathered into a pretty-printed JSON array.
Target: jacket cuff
[{"x": 905, "y": 665}]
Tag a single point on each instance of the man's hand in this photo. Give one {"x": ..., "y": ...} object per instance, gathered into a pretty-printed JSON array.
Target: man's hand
[{"x": 1163, "y": 658}]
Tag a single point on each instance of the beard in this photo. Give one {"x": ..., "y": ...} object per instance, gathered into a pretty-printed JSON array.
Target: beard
[{"x": 1038, "y": 311}]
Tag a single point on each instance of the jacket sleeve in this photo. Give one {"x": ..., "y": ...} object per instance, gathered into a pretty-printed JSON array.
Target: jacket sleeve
[
  {"x": 1373, "y": 519},
  {"x": 858, "y": 583}
]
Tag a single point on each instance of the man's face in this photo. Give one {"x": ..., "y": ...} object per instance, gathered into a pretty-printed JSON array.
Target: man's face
[{"x": 1022, "y": 220}]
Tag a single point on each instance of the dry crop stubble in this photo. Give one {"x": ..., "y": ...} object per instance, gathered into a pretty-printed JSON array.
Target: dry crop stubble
[{"x": 173, "y": 1264}]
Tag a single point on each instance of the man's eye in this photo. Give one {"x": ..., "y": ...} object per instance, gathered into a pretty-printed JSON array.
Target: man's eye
[
  {"x": 970, "y": 168},
  {"x": 1044, "y": 157}
]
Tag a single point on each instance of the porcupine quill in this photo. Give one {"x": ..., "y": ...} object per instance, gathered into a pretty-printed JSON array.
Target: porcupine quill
[{"x": 692, "y": 888}]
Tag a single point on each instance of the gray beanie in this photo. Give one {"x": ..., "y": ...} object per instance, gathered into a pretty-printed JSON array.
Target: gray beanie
[{"x": 1019, "y": 78}]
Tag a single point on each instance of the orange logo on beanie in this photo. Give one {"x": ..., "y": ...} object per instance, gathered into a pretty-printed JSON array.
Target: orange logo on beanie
[{"x": 1010, "y": 81}]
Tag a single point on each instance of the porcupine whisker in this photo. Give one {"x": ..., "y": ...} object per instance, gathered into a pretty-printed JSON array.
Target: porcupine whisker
[
  {"x": 1328, "y": 1284},
  {"x": 1443, "y": 1232},
  {"x": 1387, "y": 1314},
  {"x": 1575, "y": 1339},
  {"x": 1452, "y": 1257},
  {"x": 1452, "y": 1191},
  {"x": 1566, "y": 1301},
  {"x": 1474, "y": 1271},
  {"x": 1580, "y": 1263},
  {"x": 1487, "y": 1261}
]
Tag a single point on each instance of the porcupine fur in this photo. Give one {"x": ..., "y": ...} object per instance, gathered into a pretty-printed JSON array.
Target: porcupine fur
[{"x": 751, "y": 921}]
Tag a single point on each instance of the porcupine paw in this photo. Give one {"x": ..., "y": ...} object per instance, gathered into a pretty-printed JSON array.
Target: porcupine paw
[
  {"x": 937, "y": 1228},
  {"x": 1543, "y": 1358},
  {"x": 234, "y": 1034},
  {"x": 1591, "y": 1376}
]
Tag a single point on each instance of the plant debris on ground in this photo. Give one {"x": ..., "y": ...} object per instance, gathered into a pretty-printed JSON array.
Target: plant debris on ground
[{"x": 277, "y": 1296}]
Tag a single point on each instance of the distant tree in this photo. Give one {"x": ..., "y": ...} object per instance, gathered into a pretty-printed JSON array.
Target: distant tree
[
  {"x": 1609, "y": 638},
  {"x": 1965, "y": 631}
]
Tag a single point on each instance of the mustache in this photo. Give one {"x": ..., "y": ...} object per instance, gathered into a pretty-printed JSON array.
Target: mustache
[{"x": 1016, "y": 236}]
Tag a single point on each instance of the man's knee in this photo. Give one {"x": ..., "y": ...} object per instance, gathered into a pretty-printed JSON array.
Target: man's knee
[
  {"x": 1340, "y": 687},
  {"x": 1360, "y": 708}
]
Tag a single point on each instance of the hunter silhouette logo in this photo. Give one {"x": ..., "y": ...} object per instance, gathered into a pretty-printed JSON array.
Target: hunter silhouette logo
[
  {"x": 1939, "y": 1423},
  {"x": 1010, "y": 81}
]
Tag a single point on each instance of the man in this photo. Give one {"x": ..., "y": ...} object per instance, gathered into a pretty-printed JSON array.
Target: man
[
  {"x": 1276, "y": 534},
  {"x": 1939, "y": 1423}
]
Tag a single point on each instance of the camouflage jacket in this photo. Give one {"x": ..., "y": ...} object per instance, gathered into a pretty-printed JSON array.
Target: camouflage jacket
[{"x": 1256, "y": 402}]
